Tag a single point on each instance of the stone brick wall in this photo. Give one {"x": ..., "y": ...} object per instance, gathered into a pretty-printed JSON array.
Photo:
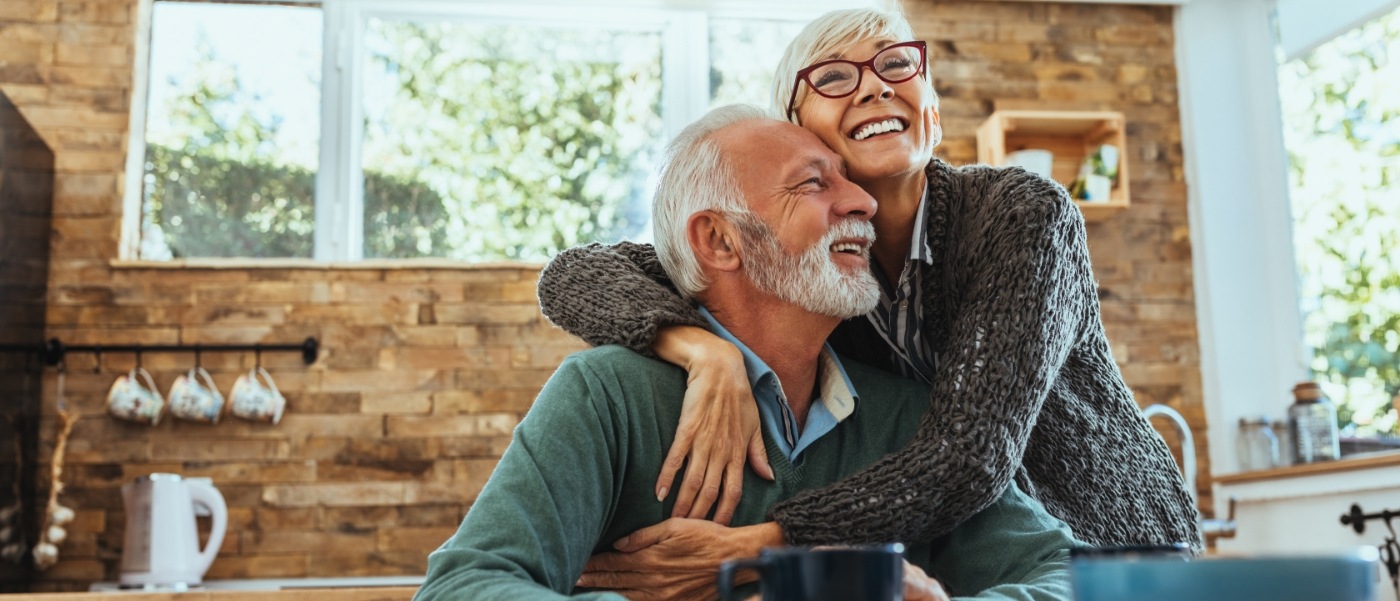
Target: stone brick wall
[
  {"x": 387, "y": 439},
  {"x": 424, "y": 371}
]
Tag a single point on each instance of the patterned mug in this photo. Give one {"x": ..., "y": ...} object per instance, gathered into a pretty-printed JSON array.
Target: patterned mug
[
  {"x": 194, "y": 397},
  {"x": 132, "y": 400},
  {"x": 255, "y": 397}
]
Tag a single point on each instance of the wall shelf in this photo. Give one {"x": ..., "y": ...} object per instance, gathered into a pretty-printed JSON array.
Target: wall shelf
[{"x": 1070, "y": 136}]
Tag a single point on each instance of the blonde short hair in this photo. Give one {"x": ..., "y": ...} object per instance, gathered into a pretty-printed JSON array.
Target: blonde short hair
[{"x": 825, "y": 38}]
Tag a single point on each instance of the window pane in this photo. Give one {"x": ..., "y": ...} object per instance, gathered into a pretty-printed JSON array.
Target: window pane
[
  {"x": 232, "y": 131},
  {"x": 489, "y": 141},
  {"x": 1340, "y": 106},
  {"x": 743, "y": 56}
]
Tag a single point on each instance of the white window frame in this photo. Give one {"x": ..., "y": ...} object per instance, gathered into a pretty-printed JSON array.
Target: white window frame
[
  {"x": 1249, "y": 321},
  {"x": 339, "y": 202}
]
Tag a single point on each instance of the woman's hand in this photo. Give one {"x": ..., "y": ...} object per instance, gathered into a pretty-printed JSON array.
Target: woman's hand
[
  {"x": 719, "y": 425},
  {"x": 676, "y": 559}
]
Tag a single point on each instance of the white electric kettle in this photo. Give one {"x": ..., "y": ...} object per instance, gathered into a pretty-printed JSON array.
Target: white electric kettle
[{"x": 162, "y": 542}]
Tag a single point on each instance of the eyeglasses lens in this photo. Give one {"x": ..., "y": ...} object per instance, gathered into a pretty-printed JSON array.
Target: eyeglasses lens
[{"x": 838, "y": 78}]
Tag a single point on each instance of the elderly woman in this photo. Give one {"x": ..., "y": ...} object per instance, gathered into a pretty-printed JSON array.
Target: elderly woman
[{"x": 987, "y": 296}]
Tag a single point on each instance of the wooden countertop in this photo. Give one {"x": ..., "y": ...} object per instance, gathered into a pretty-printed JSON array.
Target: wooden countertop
[
  {"x": 378, "y": 593},
  {"x": 1354, "y": 462}
]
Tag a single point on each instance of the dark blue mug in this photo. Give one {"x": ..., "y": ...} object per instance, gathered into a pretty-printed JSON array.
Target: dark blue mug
[{"x": 873, "y": 573}]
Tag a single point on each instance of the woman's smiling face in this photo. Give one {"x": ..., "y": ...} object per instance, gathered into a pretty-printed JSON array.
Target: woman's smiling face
[{"x": 883, "y": 130}]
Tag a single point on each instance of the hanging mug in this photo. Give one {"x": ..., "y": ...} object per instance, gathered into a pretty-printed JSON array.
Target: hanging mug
[
  {"x": 194, "y": 397},
  {"x": 255, "y": 397},
  {"x": 136, "y": 399}
]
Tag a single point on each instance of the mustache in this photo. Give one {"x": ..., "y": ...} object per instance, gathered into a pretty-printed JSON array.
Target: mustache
[{"x": 849, "y": 228}]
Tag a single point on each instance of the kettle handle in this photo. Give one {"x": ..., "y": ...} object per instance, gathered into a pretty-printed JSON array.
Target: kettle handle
[{"x": 203, "y": 493}]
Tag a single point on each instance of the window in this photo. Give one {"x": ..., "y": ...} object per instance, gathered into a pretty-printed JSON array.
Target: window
[
  {"x": 1341, "y": 112},
  {"x": 743, "y": 55},
  {"x": 543, "y": 131},
  {"x": 232, "y": 131},
  {"x": 474, "y": 131}
]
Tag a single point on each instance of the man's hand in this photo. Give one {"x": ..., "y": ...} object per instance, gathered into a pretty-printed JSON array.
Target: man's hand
[
  {"x": 918, "y": 586},
  {"x": 676, "y": 559}
]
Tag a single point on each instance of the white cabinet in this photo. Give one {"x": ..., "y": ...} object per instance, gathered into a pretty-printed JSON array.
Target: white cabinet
[{"x": 1298, "y": 510}]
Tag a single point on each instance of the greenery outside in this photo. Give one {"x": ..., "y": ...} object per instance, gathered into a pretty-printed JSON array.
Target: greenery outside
[
  {"x": 526, "y": 139},
  {"x": 229, "y": 171},
  {"x": 1341, "y": 108}
]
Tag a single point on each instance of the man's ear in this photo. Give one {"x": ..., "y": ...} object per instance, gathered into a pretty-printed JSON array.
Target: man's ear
[{"x": 714, "y": 241}]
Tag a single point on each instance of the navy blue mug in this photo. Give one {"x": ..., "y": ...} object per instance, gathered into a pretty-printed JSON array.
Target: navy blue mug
[{"x": 873, "y": 573}]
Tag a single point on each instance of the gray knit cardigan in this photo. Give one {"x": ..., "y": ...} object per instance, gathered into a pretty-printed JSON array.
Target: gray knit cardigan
[{"x": 1025, "y": 385}]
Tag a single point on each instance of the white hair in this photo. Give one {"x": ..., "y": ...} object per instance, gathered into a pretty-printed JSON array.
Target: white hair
[
  {"x": 825, "y": 38},
  {"x": 695, "y": 177}
]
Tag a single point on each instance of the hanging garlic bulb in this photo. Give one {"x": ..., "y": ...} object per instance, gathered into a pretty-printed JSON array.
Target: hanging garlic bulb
[
  {"x": 56, "y": 534},
  {"x": 6, "y": 533},
  {"x": 46, "y": 552},
  {"x": 45, "y": 555}
]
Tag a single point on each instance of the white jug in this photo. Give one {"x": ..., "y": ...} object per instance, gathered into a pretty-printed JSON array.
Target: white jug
[{"x": 162, "y": 543}]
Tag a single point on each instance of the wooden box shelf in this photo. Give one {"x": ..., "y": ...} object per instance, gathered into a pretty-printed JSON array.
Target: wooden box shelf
[{"x": 1069, "y": 136}]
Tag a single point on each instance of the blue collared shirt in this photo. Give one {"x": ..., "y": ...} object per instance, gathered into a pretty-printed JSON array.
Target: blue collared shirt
[
  {"x": 900, "y": 310},
  {"x": 834, "y": 399}
]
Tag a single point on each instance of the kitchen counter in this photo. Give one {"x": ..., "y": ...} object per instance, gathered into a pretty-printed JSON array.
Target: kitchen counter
[
  {"x": 378, "y": 593},
  {"x": 1298, "y": 509}
]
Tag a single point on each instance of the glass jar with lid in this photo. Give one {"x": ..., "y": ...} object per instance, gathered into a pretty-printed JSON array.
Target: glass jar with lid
[
  {"x": 1312, "y": 424},
  {"x": 1258, "y": 447},
  {"x": 1285, "y": 442}
]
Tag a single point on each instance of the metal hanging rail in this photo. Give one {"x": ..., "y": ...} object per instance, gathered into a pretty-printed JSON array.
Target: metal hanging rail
[{"x": 54, "y": 350}]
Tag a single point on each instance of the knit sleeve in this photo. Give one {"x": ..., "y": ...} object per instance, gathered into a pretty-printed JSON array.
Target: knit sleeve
[
  {"x": 616, "y": 294},
  {"x": 1024, "y": 291}
]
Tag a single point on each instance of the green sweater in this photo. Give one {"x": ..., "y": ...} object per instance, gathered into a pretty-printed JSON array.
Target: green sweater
[{"x": 579, "y": 475}]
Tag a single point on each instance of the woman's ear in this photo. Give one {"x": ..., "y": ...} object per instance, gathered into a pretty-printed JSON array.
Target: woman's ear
[{"x": 714, "y": 241}]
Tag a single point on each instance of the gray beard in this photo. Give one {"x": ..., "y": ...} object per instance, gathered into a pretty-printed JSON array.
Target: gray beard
[{"x": 810, "y": 280}]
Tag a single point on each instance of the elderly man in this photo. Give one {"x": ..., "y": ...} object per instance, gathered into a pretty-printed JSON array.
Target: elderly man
[{"x": 756, "y": 222}]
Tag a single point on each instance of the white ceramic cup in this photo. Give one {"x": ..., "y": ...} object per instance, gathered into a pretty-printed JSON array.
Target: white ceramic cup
[
  {"x": 1034, "y": 160},
  {"x": 194, "y": 397},
  {"x": 255, "y": 397},
  {"x": 135, "y": 397}
]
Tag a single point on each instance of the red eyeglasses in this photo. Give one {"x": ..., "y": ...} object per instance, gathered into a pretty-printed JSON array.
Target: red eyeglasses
[{"x": 839, "y": 78}]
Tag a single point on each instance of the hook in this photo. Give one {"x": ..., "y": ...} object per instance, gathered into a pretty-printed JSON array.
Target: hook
[
  {"x": 53, "y": 351},
  {"x": 257, "y": 356},
  {"x": 138, "y": 356},
  {"x": 97, "y": 361},
  {"x": 198, "y": 363}
]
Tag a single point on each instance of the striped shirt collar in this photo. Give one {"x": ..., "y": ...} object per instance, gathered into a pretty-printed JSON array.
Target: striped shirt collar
[
  {"x": 918, "y": 242},
  {"x": 898, "y": 315},
  {"x": 835, "y": 398}
]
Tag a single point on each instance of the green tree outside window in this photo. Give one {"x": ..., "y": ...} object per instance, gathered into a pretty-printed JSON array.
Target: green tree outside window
[{"x": 1341, "y": 107}]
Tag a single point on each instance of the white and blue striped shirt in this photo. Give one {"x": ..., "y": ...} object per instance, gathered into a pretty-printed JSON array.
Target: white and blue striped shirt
[{"x": 901, "y": 308}]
